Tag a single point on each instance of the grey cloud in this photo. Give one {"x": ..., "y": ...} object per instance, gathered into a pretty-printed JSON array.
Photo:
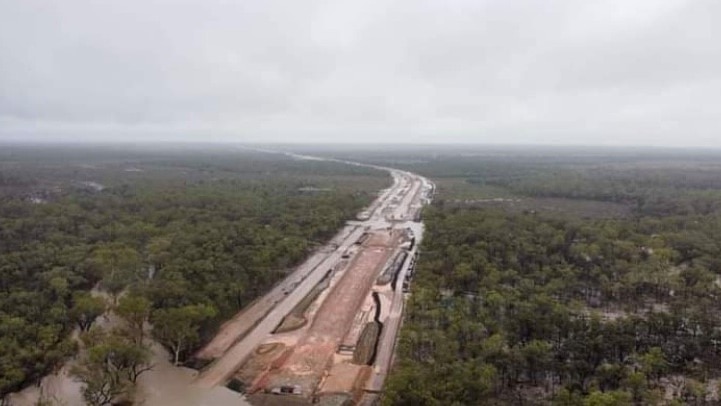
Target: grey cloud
[{"x": 558, "y": 71}]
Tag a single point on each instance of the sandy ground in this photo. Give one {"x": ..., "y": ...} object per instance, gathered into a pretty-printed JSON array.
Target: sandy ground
[{"x": 341, "y": 378}]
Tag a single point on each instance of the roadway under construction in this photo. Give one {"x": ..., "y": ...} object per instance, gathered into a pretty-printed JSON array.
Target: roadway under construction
[{"x": 326, "y": 334}]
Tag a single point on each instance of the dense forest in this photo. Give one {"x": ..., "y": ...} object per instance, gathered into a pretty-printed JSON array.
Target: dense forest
[
  {"x": 520, "y": 305},
  {"x": 181, "y": 238}
]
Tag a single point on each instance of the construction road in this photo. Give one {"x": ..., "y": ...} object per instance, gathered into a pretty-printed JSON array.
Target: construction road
[{"x": 394, "y": 209}]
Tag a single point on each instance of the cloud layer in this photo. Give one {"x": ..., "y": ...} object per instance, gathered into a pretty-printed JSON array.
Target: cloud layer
[{"x": 615, "y": 72}]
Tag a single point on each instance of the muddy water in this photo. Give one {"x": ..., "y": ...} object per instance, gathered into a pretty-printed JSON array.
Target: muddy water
[
  {"x": 164, "y": 385},
  {"x": 58, "y": 388},
  {"x": 170, "y": 385}
]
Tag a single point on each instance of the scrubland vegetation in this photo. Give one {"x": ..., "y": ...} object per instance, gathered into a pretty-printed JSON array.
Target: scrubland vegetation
[
  {"x": 546, "y": 277},
  {"x": 520, "y": 305},
  {"x": 180, "y": 238}
]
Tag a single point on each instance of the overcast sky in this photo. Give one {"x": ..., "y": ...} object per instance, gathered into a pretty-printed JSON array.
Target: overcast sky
[{"x": 610, "y": 72}]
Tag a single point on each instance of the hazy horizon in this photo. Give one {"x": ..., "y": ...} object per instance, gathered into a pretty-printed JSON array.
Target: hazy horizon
[
  {"x": 526, "y": 73},
  {"x": 278, "y": 146}
]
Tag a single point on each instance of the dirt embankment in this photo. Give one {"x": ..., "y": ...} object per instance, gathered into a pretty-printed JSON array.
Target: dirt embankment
[{"x": 297, "y": 317}]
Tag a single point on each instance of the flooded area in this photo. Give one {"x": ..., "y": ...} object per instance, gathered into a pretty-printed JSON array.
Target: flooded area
[{"x": 164, "y": 385}]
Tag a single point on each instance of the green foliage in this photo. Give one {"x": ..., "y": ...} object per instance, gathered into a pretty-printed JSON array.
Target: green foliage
[
  {"x": 177, "y": 327},
  {"x": 177, "y": 228},
  {"x": 86, "y": 309},
  {"x": 653, "y": 363},
  {"x": 117, "y": 264},
  {"x": 566, "y": 309},
  {"x": 110, "y": 366},
  {"x": 135, "y": 310},
  {"x": 611, "y": 398}
]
